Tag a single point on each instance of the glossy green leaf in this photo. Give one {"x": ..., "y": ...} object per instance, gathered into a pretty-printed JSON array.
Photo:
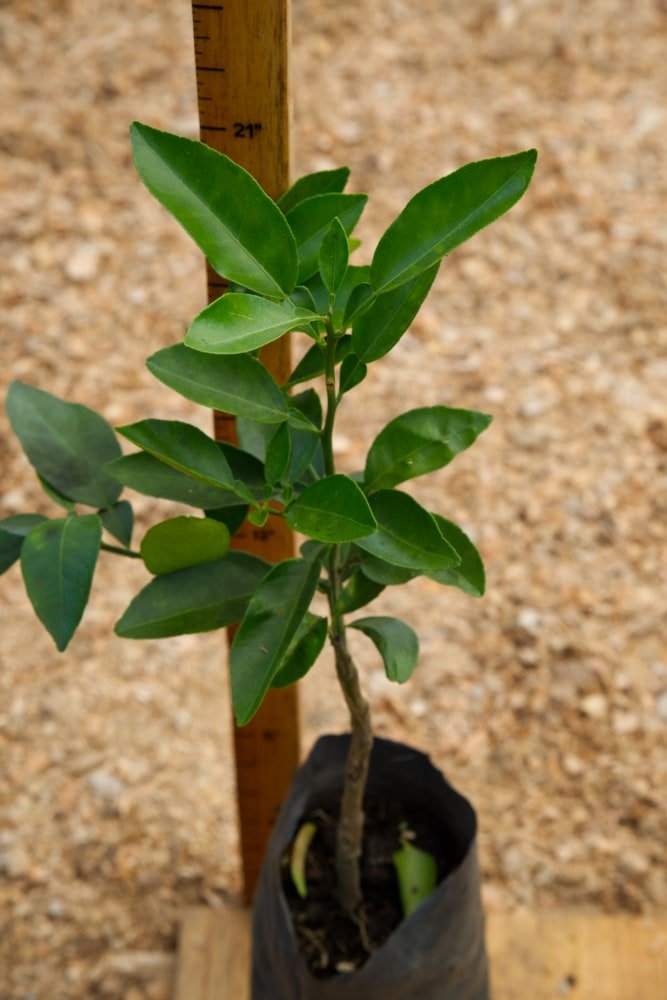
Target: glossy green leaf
[
  {"x": 278, "y": 455},
  {"x": 237, "y": 323},
  {"x": 146, "y": 474},
  {"x": 259, "y": 517},
  {"x": 274, "y": 614},
  {"x": 417, "y": 874},
  {"x": 321, "y": 182},
  {"x": 183, "y": 541},
  {"x": 13, "y": 530},
  {"x": 309, "y": 405},
  {"x": 352, "y": 372},
  {"x": 304, "y": 649},
  {"x": 183, "y": 447},
  {"x": 68, "y": 444},
  {"x": 302, "y": 297},
  {"x": 333, "y": 509},
  {"x": 310, "y": 219},
  {"x": 299, "y": 855},
  {"x": 354, "y": 277},
  {"x": 309, "y": 367},
  {"x": 56, "y": 496},
  {"x": 407, "y": 535},
  {"x": 253, "y": 437},
  {"x": 446, "y": 213},
  {"x": 333, "y": 256},
  {"x": 307, "y": 458},
  {"x": 396, "y": 643},
  {"x": 379, "y": 328},
  {"x": 469, "y": 576},
  {"x": 305, "y": 441},
  {"x": 119, "y": 521},
  {"x": 312, "y": 363},
  {"x": 418, "y": 442},
  {"x": 236, "y": 384},
  {"x": 311, "y": 550},
  {"x": 381, "y": 572},
  {"x": 248, "y": 472},
  {"x": 358, "y": 592},
  {"x": 197, "y": 599},
  {"x": 360, "y": 300},
  {"x": 58, "y": 561},
  {"x": 221, "y": 206},
  {"x": 233, "y": 516}
]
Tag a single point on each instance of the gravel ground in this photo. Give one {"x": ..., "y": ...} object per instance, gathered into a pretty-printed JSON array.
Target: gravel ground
[{"x": 546, "y": 701}]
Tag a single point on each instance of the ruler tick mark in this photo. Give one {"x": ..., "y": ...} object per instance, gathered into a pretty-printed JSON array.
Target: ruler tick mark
[
  {"x": 210, "y": 69},
  {"x": 207, "y": 6}
]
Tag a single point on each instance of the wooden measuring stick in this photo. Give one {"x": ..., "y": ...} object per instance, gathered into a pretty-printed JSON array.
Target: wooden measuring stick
[{"x": 241, "y": 56}]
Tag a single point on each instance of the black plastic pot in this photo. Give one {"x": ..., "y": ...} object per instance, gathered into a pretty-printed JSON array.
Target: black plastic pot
[{"x": 438, "y": 953}]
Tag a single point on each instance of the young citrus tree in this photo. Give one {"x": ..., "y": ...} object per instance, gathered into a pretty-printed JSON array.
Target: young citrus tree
[{"x": 287, "y": 264}]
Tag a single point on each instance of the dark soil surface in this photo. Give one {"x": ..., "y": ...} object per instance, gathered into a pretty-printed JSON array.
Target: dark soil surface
[{"x": 330, "y": 941}]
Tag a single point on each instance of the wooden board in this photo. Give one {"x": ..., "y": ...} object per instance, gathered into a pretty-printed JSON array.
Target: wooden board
[
  {"x": 242, "y": 70},
  {"x": 533, "y": 956}
]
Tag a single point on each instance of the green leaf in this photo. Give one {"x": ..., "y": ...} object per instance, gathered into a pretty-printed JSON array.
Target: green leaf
[
  {"x": 385, "y": 573},
  {"x": 248, "y": 472},
  {"x": 321, "y": 182},
  {"x": 396, "y": 643},
  {"x": 259, "y": 517},
  {"x": 13, "y": 530},
  {"x": 407, "y": 534},
  {"x": 333, "y": 256},
  {"x": 278, "y": 455},
  {"x": 66, "y": 443},
  {"x": 313, "y": 550},
  {"x": 236, "y": 384},
  {"x": 312, "y": 363},
  {"x": 298, "y": 856},
  {"x": 469, "y": 576},
  {"x": 233, "y": 516},
  {"x": 379, "y": 328},
  {"x": 417, "y": 875},
  {"x": 56, "y": 496},
  {"x": 360, "y": 300},
  {"x": 274, "y": 614},
  {"x": 183, "y": 447},
  {"x": 446, "y": 213},
  {"x": 309, "y": 367},
  {"x": 222, "y": 207},
  {"x": 310, "y": 219},
  {"x": 309, "y": 405},
  {"x": 333, "y": 509},
  {"x": 197, "y": 599},
  {"x": 352, "y": 372},
  {"x": 58, "y": 561},
  {"x": 148, "y": 475},
  {"x": 183, "y": 541},
  {"x": 358, "y": 592},
  {"x": 306, "y": 452},
  {"x": 305, "y": 442},
  {"x": 253, "y": 437},
  {"x": 302, "y": 297},
  {"x": 355, "y": 278},
  {"x": 418, "y": 442},
  {"x": 304, "y": 649},
  {"x": 237, "y": 323},
  {"x": 119, "y": 521}
]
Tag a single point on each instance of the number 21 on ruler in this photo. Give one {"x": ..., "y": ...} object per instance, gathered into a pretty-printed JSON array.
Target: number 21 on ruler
[{"x": 246, "y": 131}]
